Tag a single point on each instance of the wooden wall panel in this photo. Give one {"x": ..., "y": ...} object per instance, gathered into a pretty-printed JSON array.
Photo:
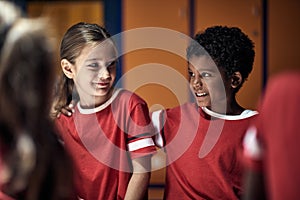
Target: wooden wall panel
[
  {"x": 63, "y": 14},
  {"x": 283, "y": 36},
  {"x": 166, "y": 14}
]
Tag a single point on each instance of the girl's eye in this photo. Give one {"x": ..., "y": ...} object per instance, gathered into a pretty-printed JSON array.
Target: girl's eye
[
  {"x": 111, "y": 63},
  {"x": 93, "y": 65},
  {"x": 111, "y": 66}
]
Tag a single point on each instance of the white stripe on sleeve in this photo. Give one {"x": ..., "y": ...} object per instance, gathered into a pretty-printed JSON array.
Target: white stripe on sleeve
[
  {"x": 156, "y": 120},
  {"x": 139, "y": 144}
]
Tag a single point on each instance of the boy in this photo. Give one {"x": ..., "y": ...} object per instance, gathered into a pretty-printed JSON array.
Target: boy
[{"x": 202, "y": 140}]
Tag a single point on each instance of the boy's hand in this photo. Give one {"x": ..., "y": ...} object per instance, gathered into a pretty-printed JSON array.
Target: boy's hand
[{"x": 67, "y": 110}]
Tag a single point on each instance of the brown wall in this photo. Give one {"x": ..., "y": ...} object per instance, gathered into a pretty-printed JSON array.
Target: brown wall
[
  {"x": 63, "y": 14},
  {"x": 283, "y": 36},
  {"x": 172, "y": 16}
]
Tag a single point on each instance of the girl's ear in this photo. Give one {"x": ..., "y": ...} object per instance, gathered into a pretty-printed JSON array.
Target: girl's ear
[
  {"x": 236, "y": 79},
  {"x": 67, "y": 68}
]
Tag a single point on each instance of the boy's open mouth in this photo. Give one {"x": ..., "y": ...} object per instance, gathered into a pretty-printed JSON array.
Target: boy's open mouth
[{"x": 201, "y": 94}]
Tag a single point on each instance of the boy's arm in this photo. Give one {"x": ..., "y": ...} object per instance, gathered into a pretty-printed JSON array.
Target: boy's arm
[
  {"x": 254, "y": 185},
  {"x": 138, "y": 184}
]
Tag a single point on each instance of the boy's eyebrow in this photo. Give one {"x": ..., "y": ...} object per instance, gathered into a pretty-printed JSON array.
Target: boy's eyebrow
[
  {"x": 208, "y": 69},
  {"x": 211, "y": 70}
]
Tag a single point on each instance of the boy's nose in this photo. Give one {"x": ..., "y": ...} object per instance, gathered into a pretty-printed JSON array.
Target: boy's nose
[{"x": 198, "y": 83}]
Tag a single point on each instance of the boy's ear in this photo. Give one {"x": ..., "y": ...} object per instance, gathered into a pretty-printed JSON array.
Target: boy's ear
[
  {"x": 236, "y": 79},
  {"x": 67, "y": 68}
]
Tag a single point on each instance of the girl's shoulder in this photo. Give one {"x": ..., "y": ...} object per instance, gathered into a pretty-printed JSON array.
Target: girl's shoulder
[{"x": 128, "y": 96}]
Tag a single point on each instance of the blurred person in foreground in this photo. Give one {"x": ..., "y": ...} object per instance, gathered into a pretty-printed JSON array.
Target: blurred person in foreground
[
  {"x": 33, "y": 164},
  {"x": 271, "y": 144}
]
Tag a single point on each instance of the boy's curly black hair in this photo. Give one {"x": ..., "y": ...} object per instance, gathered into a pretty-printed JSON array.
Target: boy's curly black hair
[{"x": 229, "y": 47}]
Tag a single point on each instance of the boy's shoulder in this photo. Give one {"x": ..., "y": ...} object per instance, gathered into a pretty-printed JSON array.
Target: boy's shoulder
[{"x": 184, "y": 107}]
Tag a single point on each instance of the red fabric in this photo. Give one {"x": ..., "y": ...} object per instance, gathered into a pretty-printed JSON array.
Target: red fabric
[
  {"x": 278, "y": 131},
  {"x": 209, "y": 166},
  {"x": 98, "y": 144},
  {"x": 5, "y": 197}
]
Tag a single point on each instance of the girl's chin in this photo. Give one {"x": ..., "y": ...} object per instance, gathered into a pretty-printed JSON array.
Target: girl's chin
[{"x": 103, "y": 93}]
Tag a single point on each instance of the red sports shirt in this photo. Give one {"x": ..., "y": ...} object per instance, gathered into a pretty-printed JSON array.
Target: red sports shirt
[
  {"x": 102, "y": 141},
  {"x": 203, "y": 150}
]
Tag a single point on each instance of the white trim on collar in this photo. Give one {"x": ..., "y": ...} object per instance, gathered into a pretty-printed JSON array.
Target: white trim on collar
[
  {"x": 245, "y": 114},
  {"x": 102, "y": 106}
]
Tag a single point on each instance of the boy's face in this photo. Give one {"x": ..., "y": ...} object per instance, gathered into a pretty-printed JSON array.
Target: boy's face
[{"x": 208, "y": 83}]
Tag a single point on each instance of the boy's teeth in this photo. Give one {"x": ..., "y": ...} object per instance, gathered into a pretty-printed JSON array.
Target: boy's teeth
[{"x": 200, "y": 94}]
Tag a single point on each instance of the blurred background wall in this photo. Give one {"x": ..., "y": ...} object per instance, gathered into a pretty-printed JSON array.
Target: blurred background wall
[{"x": 272, "y": 24}]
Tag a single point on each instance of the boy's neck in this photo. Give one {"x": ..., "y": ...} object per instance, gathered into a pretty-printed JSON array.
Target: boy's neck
[{"x": 232, "y": 108}]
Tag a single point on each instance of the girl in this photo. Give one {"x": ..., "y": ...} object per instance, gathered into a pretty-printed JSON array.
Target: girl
[{"x": 109, "y": 133}]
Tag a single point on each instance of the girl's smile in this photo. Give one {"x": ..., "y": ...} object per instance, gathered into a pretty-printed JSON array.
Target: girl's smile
[{"x": 100, "y": 85}]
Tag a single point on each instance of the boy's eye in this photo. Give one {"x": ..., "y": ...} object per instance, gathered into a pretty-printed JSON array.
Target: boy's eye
[
  {"x": 205, "y": 74},
  {"x": 191, "y": 74}
]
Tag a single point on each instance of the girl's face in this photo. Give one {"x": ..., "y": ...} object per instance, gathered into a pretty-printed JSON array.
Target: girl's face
[
  {"x": 95, "y": 73},
  {"x": 208, "y": 83}
]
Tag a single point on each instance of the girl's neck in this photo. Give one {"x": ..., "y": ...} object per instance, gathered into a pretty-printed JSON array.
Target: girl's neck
[{"x": 94, "y": 101}]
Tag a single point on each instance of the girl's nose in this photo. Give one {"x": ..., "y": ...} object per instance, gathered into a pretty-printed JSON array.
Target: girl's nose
[{"x": 104, "y": 74}]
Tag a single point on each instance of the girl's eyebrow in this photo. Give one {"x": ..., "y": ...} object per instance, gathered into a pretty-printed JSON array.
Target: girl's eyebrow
[
  {"x": 98, "y": 59},
  {"x": 113, "y": 60},
  {"x": 109, "y": 60},
  {"x": 91, "y": 59}
]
